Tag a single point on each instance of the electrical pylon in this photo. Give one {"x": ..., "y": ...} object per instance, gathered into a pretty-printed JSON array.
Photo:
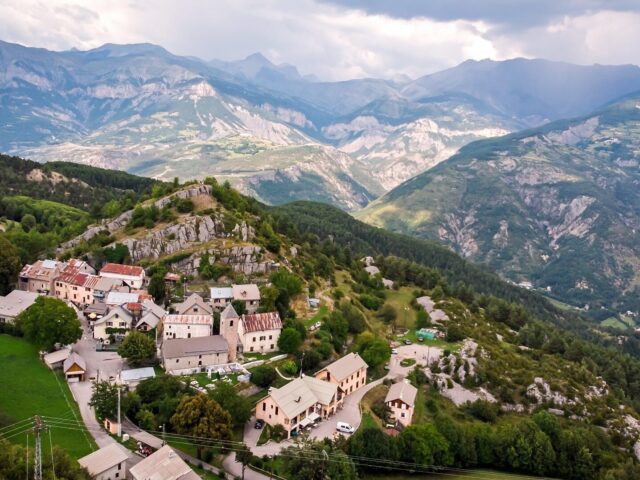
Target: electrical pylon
[{"x": 38, "y": 428}]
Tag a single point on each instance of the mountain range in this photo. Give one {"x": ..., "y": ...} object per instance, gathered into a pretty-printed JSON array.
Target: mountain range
[
  {"x": 267, "y": 129},
  {"x": 557, "y": 206}
]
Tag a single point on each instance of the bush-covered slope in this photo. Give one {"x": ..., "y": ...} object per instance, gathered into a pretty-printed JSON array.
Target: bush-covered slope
[{"x": 557, "y": 206}]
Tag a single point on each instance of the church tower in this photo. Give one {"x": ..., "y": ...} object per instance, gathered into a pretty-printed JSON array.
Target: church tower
[{"x": 229, "y": 322}]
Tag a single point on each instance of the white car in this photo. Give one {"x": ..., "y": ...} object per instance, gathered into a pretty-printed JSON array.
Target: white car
[
  {"x": 394, "y": 351},
  {"x": 344, "y": 427}
]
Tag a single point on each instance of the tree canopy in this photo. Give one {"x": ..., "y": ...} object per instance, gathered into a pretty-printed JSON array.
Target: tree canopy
[{"x": 48, "y": 322}]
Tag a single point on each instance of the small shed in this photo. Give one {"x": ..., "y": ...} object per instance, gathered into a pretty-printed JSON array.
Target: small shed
[
  {"x": 57, "y": 358},
  {"x": 314, "y": 302},
  {"x": 75, "y": 368},
  {"x": 136, "y": 375},
  {"x": 111, "y": 426}
]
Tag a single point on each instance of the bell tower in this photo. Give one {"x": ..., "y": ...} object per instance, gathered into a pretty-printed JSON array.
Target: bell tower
[{"x": 229, "y": 321}]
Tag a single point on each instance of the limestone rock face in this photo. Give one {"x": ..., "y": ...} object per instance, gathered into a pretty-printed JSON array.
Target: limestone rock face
[
  {"x": 123, "y": 219},
  {"x": 245, "y": 232},
  {"x": 175, "y": 238},
  {"x": 247, "y": 260}
]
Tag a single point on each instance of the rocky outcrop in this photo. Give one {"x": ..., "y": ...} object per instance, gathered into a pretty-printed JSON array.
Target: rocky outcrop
[
  {"x": 123, "y": 219},
  {"x": 242, "y": 259},
  {"x": 194, "y": 231}
]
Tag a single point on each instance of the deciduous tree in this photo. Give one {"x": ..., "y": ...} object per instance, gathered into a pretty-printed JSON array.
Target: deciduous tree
[
  {"x": 48, "y": 322},
  {"x": 203, "y": 419},
  {"x": 137, "y": 348}
]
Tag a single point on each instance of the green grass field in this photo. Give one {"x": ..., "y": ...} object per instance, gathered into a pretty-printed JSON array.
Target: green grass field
[{"x": 30, "y": 388}]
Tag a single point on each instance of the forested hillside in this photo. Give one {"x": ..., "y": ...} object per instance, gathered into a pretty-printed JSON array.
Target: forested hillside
[
  {"x": 556, "y": 207},
  {"x": 77, "y": 185}
]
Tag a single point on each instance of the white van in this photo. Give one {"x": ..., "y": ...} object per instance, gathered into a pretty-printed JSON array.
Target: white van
[{"x": 344, "y": 427}]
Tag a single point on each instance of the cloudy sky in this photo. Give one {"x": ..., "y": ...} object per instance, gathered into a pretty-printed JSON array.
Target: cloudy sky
[{"x": 340, "y": 39}]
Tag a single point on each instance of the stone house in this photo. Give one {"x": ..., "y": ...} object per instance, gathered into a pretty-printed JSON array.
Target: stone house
[
  {"x": 187, "y": 326},
  {"x": 182, "y": 356},
  {"x": 259, "y": 332}
]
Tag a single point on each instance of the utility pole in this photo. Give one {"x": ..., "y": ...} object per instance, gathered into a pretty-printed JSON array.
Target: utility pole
[
  {"x": 301, "y": 363},
  {"x": 38, "y": 428},
  {"x": 119, "y": 421}
]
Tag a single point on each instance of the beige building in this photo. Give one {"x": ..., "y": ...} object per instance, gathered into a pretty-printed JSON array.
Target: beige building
[
  {"x": 249, "y": 294},
  {"x": 39, "y": 277},
  {"x": 165, "y": 464},
  {"x": 14, "y": 303},
  {"x": 259, "y": 332},
  {"x": 193, "y": 305},
  {"x": 107, "y": 463},
  {"x": 299, "y": 404},
  {"x": 348, "y": 372},
  {"x": 401, "y": 400},
  {"x": 182, "y": 356},
  {"x": 72, "y": 286},
  {"x": 118, "y": 318},
  {"x": 187, "y": 326}
]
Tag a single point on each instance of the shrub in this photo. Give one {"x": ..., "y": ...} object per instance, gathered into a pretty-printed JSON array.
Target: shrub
[{"x": 263, "y": 376}]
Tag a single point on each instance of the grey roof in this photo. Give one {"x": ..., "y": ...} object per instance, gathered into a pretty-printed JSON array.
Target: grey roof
[
  {"x": 186, "y": 347},
  {"x": 105, "y": 284},
  {"x": 192, "y": 300},
  {"x": 150, "y": 319},
  {"x": 135, "y": 374},
  {"x": 16, "y": 302},
  {"x": 299, "y": 394},
  {"x": 165, "y": 464},
  {"x": 74, "y": 358},
  {"x": 120, "y": 298},
  {"x": 345, "y": 366},
  {"x": 249, "y": 291},
  {"x": 152, "y": 307},
  {"x": 122, "y": 313},
  {"x": 402, "y": 391},
  {"x": 229, "y": 312},
  {"x": 221, "y": 293},
  {"x": 57, "y": 356},
  {"x": 103, "y": 459}
]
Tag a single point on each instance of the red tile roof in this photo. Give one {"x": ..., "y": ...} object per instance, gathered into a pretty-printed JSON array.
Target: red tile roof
[
  {"x": 129, "y": 270},
  {"x": 259, "y": 322},
  {"x": 73, "y": 278}
]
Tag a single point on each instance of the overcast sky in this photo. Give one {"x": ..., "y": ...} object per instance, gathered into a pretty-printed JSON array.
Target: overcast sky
[{"x": 340, "y": 39}]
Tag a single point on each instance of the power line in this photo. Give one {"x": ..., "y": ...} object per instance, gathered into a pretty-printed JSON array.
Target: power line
[{"x": 355, "y": 459}]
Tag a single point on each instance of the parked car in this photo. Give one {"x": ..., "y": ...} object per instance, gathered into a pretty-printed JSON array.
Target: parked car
[
  {"x": 344, "y": 427},
  {"x": 407, "y": 341},
  {"x": 394, "y": 351},
  {"x": 259, "y": 424},
  {"x": 387, "y": 367}
]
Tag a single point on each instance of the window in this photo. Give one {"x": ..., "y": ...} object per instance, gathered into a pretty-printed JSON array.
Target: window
[
  {"x": 177, "y": 360},
  {"x": 271, "y": 346},
  {"x": 251, "y": 349},
  {"x": 254, "y": 339},
  {"x": 231, "y": 323},
  {"x": 264, "y": 406},
  {"x": 277, "y": 409}
]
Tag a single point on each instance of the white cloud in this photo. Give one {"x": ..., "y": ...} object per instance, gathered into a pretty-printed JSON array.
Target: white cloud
[{"x": 328, "y": 40}]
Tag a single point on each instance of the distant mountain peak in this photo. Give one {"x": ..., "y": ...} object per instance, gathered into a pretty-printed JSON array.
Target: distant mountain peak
[{"x": 114, "y": 50}]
